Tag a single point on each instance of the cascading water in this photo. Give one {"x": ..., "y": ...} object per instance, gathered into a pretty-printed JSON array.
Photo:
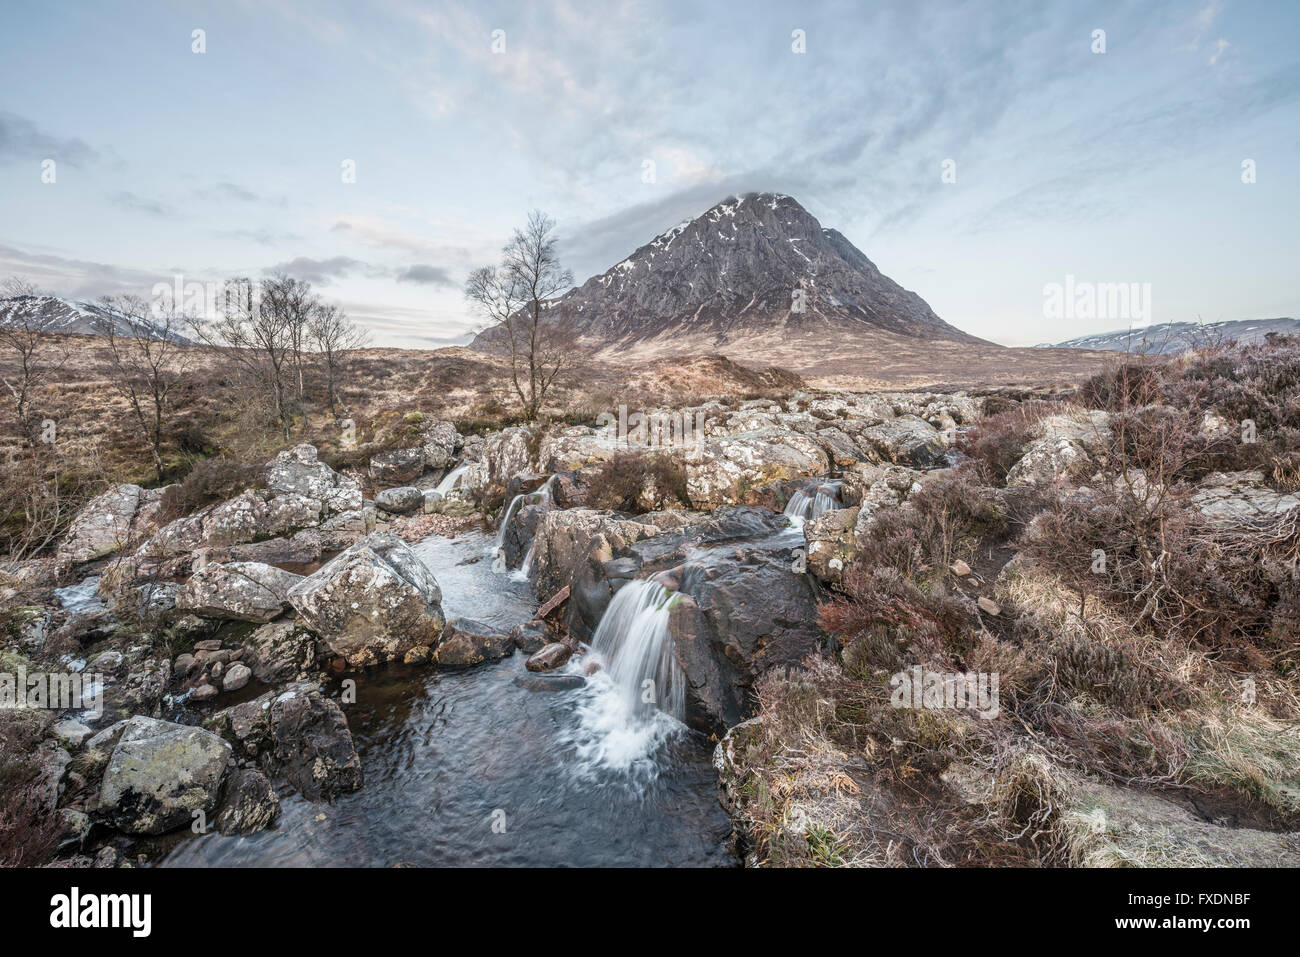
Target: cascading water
[
  {"x": 451, "y": 478},
  {"x": 634, "y": 642},
  {"x": 811, "y": 503},
  {"x": 636, "y": 701},
  {"x": 540, "y": 496}
]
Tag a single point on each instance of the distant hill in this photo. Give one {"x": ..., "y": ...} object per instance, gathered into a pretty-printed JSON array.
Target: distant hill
[
  {"x": 1169, "y": 337},
  {"x": 57, "y": 315}
]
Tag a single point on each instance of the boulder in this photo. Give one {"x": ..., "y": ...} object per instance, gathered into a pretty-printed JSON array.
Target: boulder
[
  {"x": 106, "y": 524},
  {"x": 236, "y": 676},
  {"x": 397, "y": 466},
  {"x": 373, "y": 602},
  {"x": 240, "y": 591},
  {"x": 280, "y": 651},
  {"x": 906, "y": 440},
  {"x": 720, "y": 470},
  {"x": 312, "y": 746},
  {"x": 1046, "y": 462},
  {"x": 299, "y": 471},
  {"x": 404, "y": 500},
  {"x": 832, "y": 543},
  {"x": 531, "y": 636},
  {"x": 1231, "y": 499},
  {"x": 249, "y": 804},
  {"x": 160, "y": 774},
  {"x": 440, "y": 442},
  {"x": 466, "y": 643}
]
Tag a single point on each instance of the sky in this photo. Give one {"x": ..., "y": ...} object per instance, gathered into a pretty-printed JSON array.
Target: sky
[{"x": 1122, "y": 166}]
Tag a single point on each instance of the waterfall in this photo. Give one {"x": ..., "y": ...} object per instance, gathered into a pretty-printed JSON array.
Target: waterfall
[
  {"x": 812, "y": 502},
  {"x": 543, "y": 494},
  {"x": 449, "y": 481},
  {"x": 633, "y": 641}
]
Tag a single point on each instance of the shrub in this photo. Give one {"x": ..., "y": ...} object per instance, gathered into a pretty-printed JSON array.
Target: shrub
[
  {"x": 210, "y": 480},
  {"x": 631, "y": 481},
  {"x": 29, "y": 830}
]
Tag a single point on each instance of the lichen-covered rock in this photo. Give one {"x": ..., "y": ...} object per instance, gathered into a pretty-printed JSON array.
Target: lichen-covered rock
[
  {"x": 109, "y": 522},
  {"x": 373, "y": 602},
  {"x": 299, "y": 471},
  {"x": 906, "y": 440},
  {"x": 397, "y": 466},
  {"x": 719, "y": 470},
  {"x": 831, "y": 543},
  {"x": 160, "y": 774},
  {"x": 240, "y": 591},
  {"x": 249, "y": 804},
  {"x": 280, "y": 651},
  {"x": 1046, "y": 462},
  {"x": 440, "y": 442},
  {"x": 1231, "y": 499},
  {"x": 404, "y": 500}
]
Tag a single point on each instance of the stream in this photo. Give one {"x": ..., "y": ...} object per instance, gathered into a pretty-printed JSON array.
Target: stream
[{"x": 467, "y": 768}]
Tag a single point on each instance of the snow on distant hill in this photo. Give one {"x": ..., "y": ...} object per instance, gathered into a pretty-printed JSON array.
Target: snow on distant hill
[
  {"x": 1168, "y": 337},
  {"x": 58, "y": 315}
]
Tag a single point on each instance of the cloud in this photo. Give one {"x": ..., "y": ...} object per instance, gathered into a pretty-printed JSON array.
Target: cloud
[
  {"x": 427, "y": 276},
  {"x": 22, "y": 141},
  {"x": 139, "y": 204},
  {"x": 76, "y": 278},
  {"x": 228, "y": 191},
  {"x": 322, "y": 272}
]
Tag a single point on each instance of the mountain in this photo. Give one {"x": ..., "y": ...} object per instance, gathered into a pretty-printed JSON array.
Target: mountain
[
  {"x": 756, "y": 278},
  {"x": 1170, "y": 337},
  {"x": 54, "y": 314}
]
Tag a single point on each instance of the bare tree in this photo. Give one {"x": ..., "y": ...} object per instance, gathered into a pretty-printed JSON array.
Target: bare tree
[
  {"x": 333, "y": 335},
  {"x": 149, "y": 362},
  {"x": 514, "y": 299},
  {"x": 259, "y": 331},
  {"x": 27, "y": 334}
]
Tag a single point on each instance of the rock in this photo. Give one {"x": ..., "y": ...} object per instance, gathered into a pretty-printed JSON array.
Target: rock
[
  {"x": 989, "y": 606},
  {"x": 280, "y": 651},
  {"x": 71, "y": 733},
  {"x": 441, "y": 440},
  {"x": 302, "y": 548},
  {"x": 405, "y": 500},
  {"x": 204, "y": 692},
  {"x": 236, "y": 677},
  {"x": 239, "y": 591},
  {"x": 254, "y": 515},
  {"x": 553, "y": 656},
  {"x": 182, "y": 666},
  {"x": 906, "y": 440},
  {"x": 1046, "y": 462},
  {"x": 531, "y": 636},
  {"x": 429, "y": 500},
  {"x": 300, "y": 471},
  {"x": 373, "y": 602},
  {"x": 506, "y": 453},
  {"x": 960, "y": 569},
  {"x": 312, "y": 746},
  {"x": 1230, "y": 499},
  {"x": 397, "y": 466},
  {"x": 549, "y": 682},
  {"x": 719, "y": 470},
  {"x": 249, "y": 804},
  {"x": 466, "y": 642},
  {"x": 160, "y": 774},
  {"x": 831, "y": 543},
  {"x": 102, "y": 527}
]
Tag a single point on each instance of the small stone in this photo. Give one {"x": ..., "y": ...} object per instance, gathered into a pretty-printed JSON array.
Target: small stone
[
  {"x": 961, "y": 569},
  {"x": 549, "y": 658},
  {"x": 237, "y": 676},
  {"x": 71, "y": 733},
  {"x": 989, "y": 606},
  {"x": 203, "y": 692}
]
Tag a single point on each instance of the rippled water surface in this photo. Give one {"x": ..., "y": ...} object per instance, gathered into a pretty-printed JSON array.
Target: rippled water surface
[{"x": 469, "y": 768}]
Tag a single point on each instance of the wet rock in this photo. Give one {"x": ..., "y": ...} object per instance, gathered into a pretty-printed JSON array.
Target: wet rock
[
  {"x": 553, "y": 656},
  {"x": 239, "y": 591},
  {"x": 531, "y": 636},
  {"x": 397, "y": 467},
  {"x": 249, "y": 804},
  {"x": 549, "y": 682},
  {"x": 300, "y": 471},
  {"x": 204, "y": 692},
  {"x": 312, "y": 746},
  {"x": 466, "y": 642},
  {"x": 405, "y": 500},
  {"x": 373, "y": 602},
  {"x": 160, "y": 773}
]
